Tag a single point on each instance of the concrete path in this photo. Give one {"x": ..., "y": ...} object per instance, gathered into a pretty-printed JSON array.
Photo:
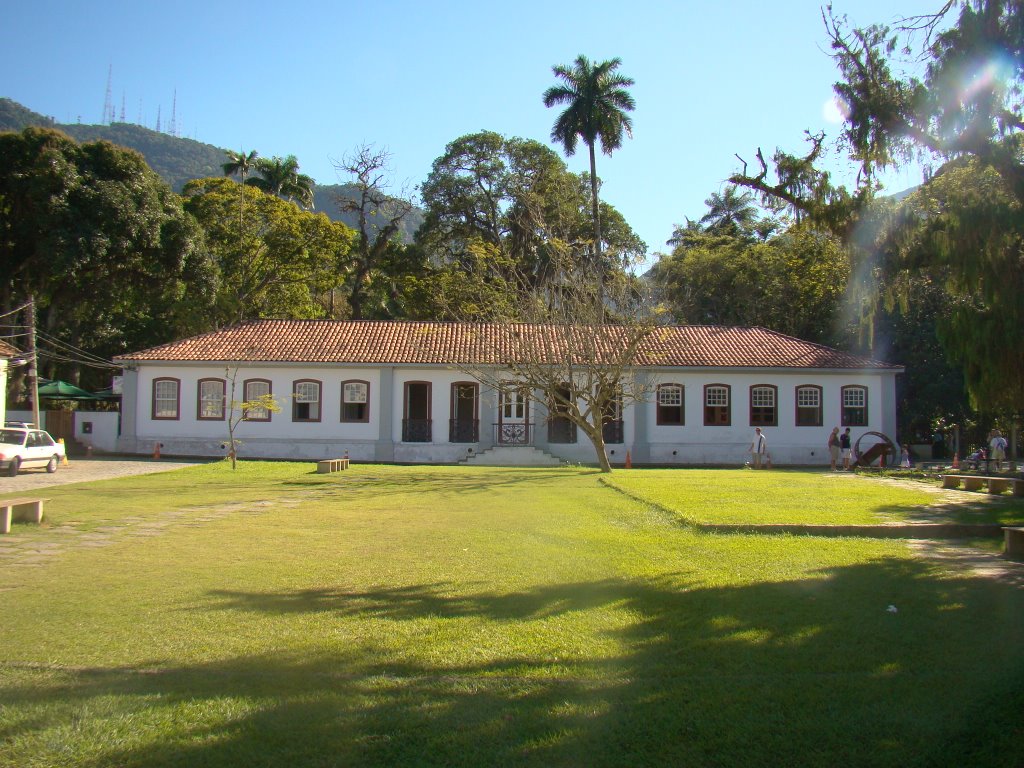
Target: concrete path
[{"x": 80, "y": 470}]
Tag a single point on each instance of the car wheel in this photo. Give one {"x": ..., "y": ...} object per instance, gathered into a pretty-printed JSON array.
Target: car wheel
[
  {"x": 12, "y": 468},
  {"x": 51, "y": 465}
]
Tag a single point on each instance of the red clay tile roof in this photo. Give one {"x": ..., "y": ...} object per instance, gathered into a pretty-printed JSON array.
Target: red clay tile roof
[
  {"x": 6, "y": 350},
  {"x": 431, "y": 343}
]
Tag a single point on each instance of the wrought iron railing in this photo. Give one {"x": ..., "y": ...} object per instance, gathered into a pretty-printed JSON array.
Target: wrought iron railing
[
  {"x": 417, "y": 430},
  {"x": 463, "y": 431},
  {"x": 515, "y": 433}
]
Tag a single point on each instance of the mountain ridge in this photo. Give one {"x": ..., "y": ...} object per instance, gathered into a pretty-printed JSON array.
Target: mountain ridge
[{"x": 177, "y": 160}]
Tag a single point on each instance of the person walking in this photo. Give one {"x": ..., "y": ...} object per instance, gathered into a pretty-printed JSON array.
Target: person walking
[
  {"x": 833, "y": 447},
  {"x": 997, "y": 449},
  {"x": 846, "y": 447},
  {"x": 758, "y": 449}
]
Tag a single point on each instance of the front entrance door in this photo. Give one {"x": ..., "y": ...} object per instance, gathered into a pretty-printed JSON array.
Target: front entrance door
[
  {"x": 416, "y": 426},
  {"x": 513, "y": 417}
]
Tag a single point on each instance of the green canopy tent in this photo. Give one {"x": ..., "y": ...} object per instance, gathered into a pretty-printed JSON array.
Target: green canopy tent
[{"x": 62, "y": 390}]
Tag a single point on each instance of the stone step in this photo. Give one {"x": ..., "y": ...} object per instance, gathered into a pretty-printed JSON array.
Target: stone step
[{"x": 512, "y": 456}]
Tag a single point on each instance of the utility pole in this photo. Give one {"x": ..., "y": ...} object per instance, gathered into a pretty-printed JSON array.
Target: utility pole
[{"x": 33, "y": 371}]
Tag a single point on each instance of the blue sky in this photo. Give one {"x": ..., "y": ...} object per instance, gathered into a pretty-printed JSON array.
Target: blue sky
[{"x": 316, "y": 79}]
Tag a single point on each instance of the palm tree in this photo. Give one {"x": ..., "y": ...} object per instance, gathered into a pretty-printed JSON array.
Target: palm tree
[
  {"x": 240, "y": 163},
  {"x": 731, "y": 212},
  {"x": 282, "y": 178},
  {"x": 597, "y": 102}
]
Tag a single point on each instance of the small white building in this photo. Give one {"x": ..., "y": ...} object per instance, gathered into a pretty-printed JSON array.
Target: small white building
[{"x": 400, "y": 392}]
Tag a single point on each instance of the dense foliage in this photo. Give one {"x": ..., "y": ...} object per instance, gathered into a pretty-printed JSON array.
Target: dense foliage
[
  {"x": 504, "y": 216},
  {"x": 963, "y": 229},
  {"x": 100, "y": 241},
  {"x": 726, "y": 274},
  {"x": 274, "y": 259}
]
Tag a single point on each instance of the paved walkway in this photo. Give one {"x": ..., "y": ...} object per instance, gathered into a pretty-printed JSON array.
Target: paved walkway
[{"x": 80, "y": 470}]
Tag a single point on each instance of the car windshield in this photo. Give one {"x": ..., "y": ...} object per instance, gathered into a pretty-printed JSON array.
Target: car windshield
[{"x": 12, "y": 436}]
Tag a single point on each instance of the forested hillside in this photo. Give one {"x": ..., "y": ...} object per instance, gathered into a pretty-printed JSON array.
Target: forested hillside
[{"x": 176, "y": 160}]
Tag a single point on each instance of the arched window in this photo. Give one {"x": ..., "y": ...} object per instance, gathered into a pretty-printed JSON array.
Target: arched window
[
  {"x": 355, "y": 401},
  {"x": 255, "y": 389},
  {"x": 764, "y": 411},
  {"x": 306, "y": 400},
  {"x": 808, "y": 406},
  {"x": 855, "y": 406},
  {"x": 670, "y": 411},
  {"x": 717, "y": 405},
  {"x": 212, "y": 393},
  {"x": 166, "y": 398}
]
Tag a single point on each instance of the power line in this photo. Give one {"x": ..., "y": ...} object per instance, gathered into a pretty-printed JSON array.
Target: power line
[
  {"x": 14, "y": 311},
  {"x": 70, "y": 347},
  {"x": 64, "y": 359}
]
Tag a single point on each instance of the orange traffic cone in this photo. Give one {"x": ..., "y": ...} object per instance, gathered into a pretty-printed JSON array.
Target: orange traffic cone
[
  {"x": 956, "y": 461},
  {"x": 629, "y": 461},
  {"x": 156, "y": 451}
]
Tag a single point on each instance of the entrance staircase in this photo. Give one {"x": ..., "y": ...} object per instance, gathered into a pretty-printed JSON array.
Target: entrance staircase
[{"x": 512, "y": 456}]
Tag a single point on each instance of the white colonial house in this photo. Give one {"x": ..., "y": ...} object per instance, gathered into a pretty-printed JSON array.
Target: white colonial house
[{"x": 402, "y": 392}]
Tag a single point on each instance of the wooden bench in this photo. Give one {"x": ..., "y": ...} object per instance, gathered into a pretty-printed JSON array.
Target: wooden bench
[
  {"x": 29, "y": 510},
  {"x": 1014, "y": 538},
  {"x": 331, "y": 465},
  {"x": 995, "y": 485}
]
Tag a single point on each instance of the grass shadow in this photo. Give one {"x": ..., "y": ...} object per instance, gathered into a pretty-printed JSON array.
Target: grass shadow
[{"x": 811, "y": 672}]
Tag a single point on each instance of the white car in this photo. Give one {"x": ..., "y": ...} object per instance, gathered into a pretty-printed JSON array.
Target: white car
[{"x": 23, "y": 446}]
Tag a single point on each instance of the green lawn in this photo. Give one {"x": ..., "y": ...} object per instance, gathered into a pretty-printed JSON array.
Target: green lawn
[
  {"x": 831, "y": 498},
  {"x": 489, "y": 616}
]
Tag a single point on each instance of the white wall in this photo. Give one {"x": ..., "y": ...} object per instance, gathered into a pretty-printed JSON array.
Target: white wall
[
  {"x": 381, "y": 438},
  {"x": 281, "y": 437},
  {"x": 97, "y": 429},
  {"x": 103, "y": 426},
  {"x": 695, "y": 443}
]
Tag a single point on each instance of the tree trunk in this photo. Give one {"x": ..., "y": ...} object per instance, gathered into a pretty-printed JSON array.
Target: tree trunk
[
  {"x": 596, "y": 435},
  {"x": 596, "y": 207}
]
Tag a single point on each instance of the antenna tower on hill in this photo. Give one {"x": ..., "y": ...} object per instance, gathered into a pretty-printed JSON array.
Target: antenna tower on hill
[
  {"x": 174, "y": 115},
  {"x": 108, "y": 103},
  {"x": 158, "y": 118},
  {"x": 122, "y": 106}
]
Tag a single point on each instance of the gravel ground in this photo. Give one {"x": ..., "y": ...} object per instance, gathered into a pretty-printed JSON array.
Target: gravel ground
[{"x": 80, "y": 470}]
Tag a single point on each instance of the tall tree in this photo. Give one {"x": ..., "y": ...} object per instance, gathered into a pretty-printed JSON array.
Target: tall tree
[
  {"x": 273, "y": 261},
  {"x": 597, "y": 102},
  {"x": 964, "y": 228},
  {"x": 240, "y": 163},
  {"x": 281, "y": 177},
  {"x": 379, "y": 217},
  {"x": 101, "y": 241},
  {"x": 730, "y": 212},
  {"x": 500, "y": 207}
]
